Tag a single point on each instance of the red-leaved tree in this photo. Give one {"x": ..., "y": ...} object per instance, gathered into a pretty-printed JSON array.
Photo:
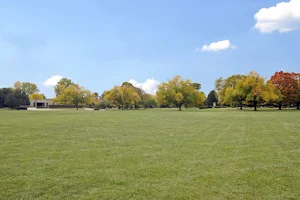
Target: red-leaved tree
[{"x": 289, "y": 86}]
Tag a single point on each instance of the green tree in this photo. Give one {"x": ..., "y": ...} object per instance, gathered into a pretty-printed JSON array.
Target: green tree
[
  {"x": 12, "y": 101},
  {"x": 62, "y": 84},
  {"x": 178, "y": 92},
  {"x": 96, "y": 95},
  {"x": 102, "y": 104},
  {"x": 26, "y": 87},
  {"x": 3, "y": 94},
  {"x": 197, "y": 86},
  {"x": 148, "y": 101},
  {"x": 211, "y": 98},
  {"x": 16, "y": 99}
]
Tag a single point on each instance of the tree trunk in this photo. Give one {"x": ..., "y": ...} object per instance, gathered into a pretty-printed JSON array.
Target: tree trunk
[
  {"x": 255, "y": 104},
  {"x": 280, "y": 106},
  {"x": 180, "y": 108},
  {"x": 298, "y": 105},
  {"x": 241, "y": 106},
  {"x": 76, "y": 106}
]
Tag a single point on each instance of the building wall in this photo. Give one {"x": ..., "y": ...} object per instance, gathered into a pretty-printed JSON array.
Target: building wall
[{"x": 47, "y": 102}]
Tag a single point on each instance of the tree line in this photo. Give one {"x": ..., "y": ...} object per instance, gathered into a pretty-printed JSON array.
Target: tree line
[
  {"x": 237, "y": 90},
  {"x": 254, "y": 90},
  {"x": 18, "y": 95}
]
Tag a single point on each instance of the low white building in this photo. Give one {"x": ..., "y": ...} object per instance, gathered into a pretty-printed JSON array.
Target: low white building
[{"x": 45, "y": 103}]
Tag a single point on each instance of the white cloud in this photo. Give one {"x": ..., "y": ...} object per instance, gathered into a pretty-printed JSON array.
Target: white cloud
[
  {"x": 217, "y": 46},
  {"x": 284, "y": 17},
  {"x": 149, "y": 86},
  {"x": 52, "y": 81}
]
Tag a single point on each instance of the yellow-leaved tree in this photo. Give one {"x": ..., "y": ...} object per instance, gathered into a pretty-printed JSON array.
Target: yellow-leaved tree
[
  {"x": 36, "y": 97},
  {"x": 180, "y": 92},
  {"x": 257, "y": 90},
  {"x": 74, "y": 95},
  {"x": 122, "y": 96},
  {"x": 228, "y": 92}
]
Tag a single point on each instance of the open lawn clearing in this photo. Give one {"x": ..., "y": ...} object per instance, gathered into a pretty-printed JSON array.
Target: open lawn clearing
[{"x": 150, "y": 154}]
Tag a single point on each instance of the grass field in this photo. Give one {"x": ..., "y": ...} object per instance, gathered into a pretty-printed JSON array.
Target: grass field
[{"x": 150, "y": 154}]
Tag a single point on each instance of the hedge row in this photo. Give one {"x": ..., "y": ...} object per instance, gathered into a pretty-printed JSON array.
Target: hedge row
[
  {"x": 64, "y": 106},
  {"x": 204, "y": 107}
]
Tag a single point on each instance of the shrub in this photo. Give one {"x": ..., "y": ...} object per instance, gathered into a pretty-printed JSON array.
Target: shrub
[{"x": 163, "y": 106}]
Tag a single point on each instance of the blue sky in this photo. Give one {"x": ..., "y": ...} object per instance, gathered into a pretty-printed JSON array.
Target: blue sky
[{"x": 100, "y": 44}]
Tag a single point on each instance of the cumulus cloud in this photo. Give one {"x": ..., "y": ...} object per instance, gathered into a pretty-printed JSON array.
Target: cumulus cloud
[
  {"x": 149, "y": 86},
  {"x": 217, "y": 46},
  {"x": 52, "y": 81},
  {"x": 284, "y": 17}
]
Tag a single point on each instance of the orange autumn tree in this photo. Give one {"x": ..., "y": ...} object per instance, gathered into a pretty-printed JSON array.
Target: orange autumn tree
[{"x": 288, "y": 84}]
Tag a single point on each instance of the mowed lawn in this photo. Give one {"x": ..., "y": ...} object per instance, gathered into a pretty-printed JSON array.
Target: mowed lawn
[{"x": 150, "y": 154}]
